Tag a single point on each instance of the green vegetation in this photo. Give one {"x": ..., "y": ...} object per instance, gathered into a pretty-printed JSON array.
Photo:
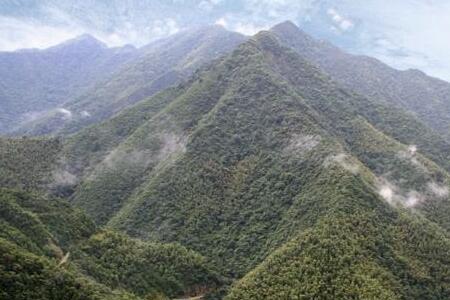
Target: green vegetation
[
  {"x": 357, "y": 256},
  {"x": 24, "y": 275},
  {"x": 50, "y": 251},
  {"x": 28, "y": 163},
  {"x": 90, "y": 146},
  {"x": 367, "y": 76},
  {"x": 259, "y": 178},
  {"x": 255, "y": 142},
  {"x": 38, "y": 222},
  {"x": 266, "y": 148},
  {"x": 35, "y": 233},
  {"x": 144, "y": 268}
]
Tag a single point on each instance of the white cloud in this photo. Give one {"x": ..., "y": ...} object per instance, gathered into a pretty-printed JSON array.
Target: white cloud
[
  {"x": 412, "y": 149},
  {"x": 165, "y": 27},
  {"x": 415, "y": 32},
  {"x": 256, "y": 15},
  {"x": 16, "y": 34},
  {"x": 222, "y": 22},
  {"x": 438, "y": 190},
  {"x": 413, "y": 198},
  {"x": 340, "y": 22},
  {"x": 234, "y": 23},
  {"x": 343, "y": 160},
  {"x": 248, "y": 28},
  {"x": 393, "y": 195},
  {"x": 346, "y": 25},
  {"x": 387, "y": 193},
  {"x": 410, "y": 34},
  {"x": 59, "y": 25},
  {"x": 208, "y": 4},
  {"x": 67, "y": 114}
]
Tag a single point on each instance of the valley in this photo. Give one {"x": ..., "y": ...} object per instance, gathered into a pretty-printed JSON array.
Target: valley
[{"x": 214, "y": 165}]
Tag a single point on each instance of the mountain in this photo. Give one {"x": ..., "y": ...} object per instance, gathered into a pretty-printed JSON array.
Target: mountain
[
  {"x": 35, "y": 81},
  {"x": 29, "y": 163},
  {"x": 259, "y": 176},
  {"x": 158, "y": 66},
  {"x": 149, "y": 270},
  {"x": 426, "y": 97},
  {"x": 48, "y": 250},
  {"x": 347, "y": 258},
  {"x": 261, "y": 159}
]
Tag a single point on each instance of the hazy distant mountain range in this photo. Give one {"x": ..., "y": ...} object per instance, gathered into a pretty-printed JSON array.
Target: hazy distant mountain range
[
  {"x": 36, "y": 81},
  {"x": 82, "y": 81},
  {"x": 213, "y": 165}
]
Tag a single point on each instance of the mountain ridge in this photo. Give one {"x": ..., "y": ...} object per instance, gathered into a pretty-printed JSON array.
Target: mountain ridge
[
  {"x": 158, "y": 66},
  {"x": 225, "y": 183},
  {"x": 260, "y": 175},
  {"x": 368, "y": 76},
  {"x": 45, "y": 79}
]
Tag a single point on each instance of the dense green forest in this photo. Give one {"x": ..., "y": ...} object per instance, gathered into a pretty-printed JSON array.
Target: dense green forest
[
  {"x": 52, "y": 251},
  {"x": 28, "y": 163},
  {"x": 355, "y": 257},
  {"x": 259, "y": 177}
]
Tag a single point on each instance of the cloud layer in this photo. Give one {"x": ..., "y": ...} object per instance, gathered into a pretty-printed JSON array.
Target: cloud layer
[{"x": 410, "y": 34}]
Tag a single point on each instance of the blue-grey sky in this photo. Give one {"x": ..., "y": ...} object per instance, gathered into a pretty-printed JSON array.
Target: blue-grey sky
[{"x": 402, "y": 33}]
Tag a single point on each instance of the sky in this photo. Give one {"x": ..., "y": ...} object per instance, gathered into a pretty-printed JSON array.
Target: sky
[{"x": 403, "y": 33}]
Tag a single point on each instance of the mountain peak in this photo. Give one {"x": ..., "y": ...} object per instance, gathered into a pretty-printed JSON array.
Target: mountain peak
[
  {"x": 289, "y": 30},
  {"x": 286, "y": 25},
  {"x": 84, "y": 41},
  {"x": 87, "y": 39},
  {"x": 266, "y": 40}
]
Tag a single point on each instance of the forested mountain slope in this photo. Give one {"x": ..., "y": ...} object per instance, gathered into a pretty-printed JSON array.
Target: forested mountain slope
[
  {"x": 427, "y": 97},
  {"x": 35, "y": 81},
  {"x": 261, "y": 148},
  {"x": 355, "y": 255},
  {"x": 30, "y": 163},
  {"x": 158, "y": 66},
  {"x": 261, "y": 167},
  {"x": 48, "y": 250}
]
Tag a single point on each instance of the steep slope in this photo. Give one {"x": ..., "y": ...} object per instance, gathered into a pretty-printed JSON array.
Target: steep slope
[
  {"x": 35, "y": 81},
  {"x": 374, "y": 133},
  {"x": 144, "y": 268},
  {"x": 280, "y": 177},
  {"x": 159, "y": 66},
  {"x": 29, "y": 163},
  {"x": 24, "y": 275},
  {"x": 48, "y": 250},
  {"x": 426, "y": 97},
  {"x": 35, "y": 233},
  {"x": 262, "y": 147},
  {"x": 90, "y": 146},
  {"x": 358, "y": 256},
  {"x": 40, "y": 224}
]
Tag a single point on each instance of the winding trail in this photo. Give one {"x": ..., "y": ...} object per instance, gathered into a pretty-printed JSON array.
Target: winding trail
[
  {"x": 191, "y": 298},
  {"x": 64, "y": 259}
]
